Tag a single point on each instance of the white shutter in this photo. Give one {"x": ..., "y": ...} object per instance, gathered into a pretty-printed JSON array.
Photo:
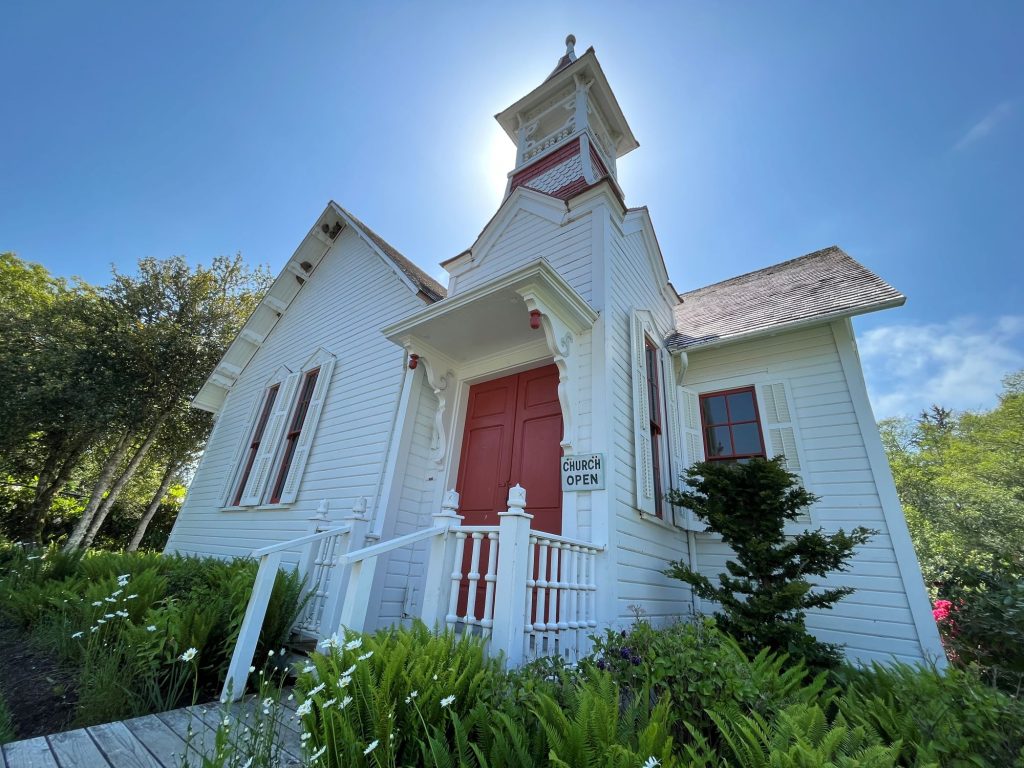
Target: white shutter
[
  {"x": 674, "y": 463},
  {"x": 780, "y": 430},
  {"x": 641, "y": 419},
  {"x": 305, "y": 440},
  {"x": 264, "y": 463},
  {"x": 694, "y": 440},
  {"x": 231, "y": 475}
]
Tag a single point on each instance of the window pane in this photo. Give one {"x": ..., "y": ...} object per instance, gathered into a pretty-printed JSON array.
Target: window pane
[
  {"x": 713, "y": 410},
  {"x": 719, "y": 443},
  {"x": 746, "y": 438},
  {"x": 741, "y": 407}
]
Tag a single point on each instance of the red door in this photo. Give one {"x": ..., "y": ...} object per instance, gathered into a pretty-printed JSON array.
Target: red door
[{"x": 512, "y": 435}]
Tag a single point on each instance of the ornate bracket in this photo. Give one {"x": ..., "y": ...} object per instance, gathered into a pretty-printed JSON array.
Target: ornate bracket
[
  {"x": 559, "y": 337},
  {"x": 441, "y": 378}
]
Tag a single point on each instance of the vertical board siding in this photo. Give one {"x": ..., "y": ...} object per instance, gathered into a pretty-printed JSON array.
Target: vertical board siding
[
  {"x": 874, "y": 623},
  {"x": 341, "y": 308},
  {"x": 528, "y": 237},
  {"x": 643, "y": 548}
]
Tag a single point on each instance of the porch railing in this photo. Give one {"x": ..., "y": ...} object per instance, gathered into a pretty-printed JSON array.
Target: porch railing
[{"x": 528, "y": 593}]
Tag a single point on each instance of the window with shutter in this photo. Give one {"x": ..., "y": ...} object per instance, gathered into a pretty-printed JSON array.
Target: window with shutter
[
  {"x": 780, "y": 429},
  {"x": 253, "y": 449},
  {"x": 263, "y": 462},
  {"x": 654, "y": 416},
  {"x": 731, "y": 427},
  {"x": 302, "y": 427}
]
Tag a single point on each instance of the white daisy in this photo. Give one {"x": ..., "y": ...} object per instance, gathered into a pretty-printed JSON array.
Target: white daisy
[
  {"x": 447, "y": 701},
  {"x": 189, "y": 654},
  {"x": 371, "y": 746},
  {"x": 353, "y": 644}
]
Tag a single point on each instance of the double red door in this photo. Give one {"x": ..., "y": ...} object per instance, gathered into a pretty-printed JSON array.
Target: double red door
[{"x": 512, "y": 435}]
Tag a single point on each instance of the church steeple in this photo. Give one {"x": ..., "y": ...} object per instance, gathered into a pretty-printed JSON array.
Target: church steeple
[{"x": 569, "y": 131}]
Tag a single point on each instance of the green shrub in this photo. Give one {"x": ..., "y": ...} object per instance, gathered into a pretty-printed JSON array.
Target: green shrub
[
  {"x": 766, "y": 591},
  {"x": 700, "y": 668},
  {"x": 948, "y": 718}
]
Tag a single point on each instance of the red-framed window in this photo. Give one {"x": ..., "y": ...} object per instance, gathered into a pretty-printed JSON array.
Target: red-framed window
[
  {"x": 294, "y": 430},
  {"x": 254, "y": 444},
  {"x": 654, "y": 408},
  {"x": 731, "y": 425}
]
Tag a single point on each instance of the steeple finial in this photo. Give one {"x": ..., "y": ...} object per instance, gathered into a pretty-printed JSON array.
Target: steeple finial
[{"x": 570, "y": 41}]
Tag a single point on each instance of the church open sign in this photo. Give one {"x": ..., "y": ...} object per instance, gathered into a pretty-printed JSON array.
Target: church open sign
[{"x": 583, "y": 473}]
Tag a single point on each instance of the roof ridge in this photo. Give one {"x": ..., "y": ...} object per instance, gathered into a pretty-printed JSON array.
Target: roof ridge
[{"x": 417, "y": 274}]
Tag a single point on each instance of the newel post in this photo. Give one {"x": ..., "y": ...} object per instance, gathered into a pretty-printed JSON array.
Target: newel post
[
  {"x": 440, "y": 563},
  {"x": 351, "y": 597},
  {"x": 510, "y": 594}
]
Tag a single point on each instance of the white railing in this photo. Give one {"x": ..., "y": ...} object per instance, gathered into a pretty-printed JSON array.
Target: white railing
[
  {"x": 528, "y": 593},
  {"x": 560, "y": 596}
]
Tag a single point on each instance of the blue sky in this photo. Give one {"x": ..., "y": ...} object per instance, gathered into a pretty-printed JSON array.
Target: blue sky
[{"x": 767, "y": 130}]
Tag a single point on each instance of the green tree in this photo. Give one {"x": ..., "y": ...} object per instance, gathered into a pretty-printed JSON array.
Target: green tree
[
  {"x": 766, "y": 591},
  {"x": 961, "y": 482}
]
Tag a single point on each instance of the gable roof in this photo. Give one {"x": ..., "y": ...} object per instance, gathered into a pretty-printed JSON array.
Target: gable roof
[
  {"x": 433, "y": 289},
  {"x": 820, "y": 286},
  {"x": 311, "y": 251}
]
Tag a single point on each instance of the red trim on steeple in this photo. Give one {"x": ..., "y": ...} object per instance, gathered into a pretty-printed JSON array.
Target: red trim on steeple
[{"x": 545, "y": 164}]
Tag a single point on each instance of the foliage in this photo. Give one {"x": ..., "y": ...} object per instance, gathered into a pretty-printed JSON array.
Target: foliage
[
  {"x": 6, "y": 723},
  {"x": 95, "y": 400},
  {"x": 766, "y": 592},
  {"x": 126, "y": 620},
  {"x": 960, "y": 478},
  {"x": 948, "y": 718},
  {"x": 700, "y": 669},
  {"x": 407, "y": 697}
]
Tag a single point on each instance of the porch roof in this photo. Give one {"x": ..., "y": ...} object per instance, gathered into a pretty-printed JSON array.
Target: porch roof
[{"x": 492, "y": 317}]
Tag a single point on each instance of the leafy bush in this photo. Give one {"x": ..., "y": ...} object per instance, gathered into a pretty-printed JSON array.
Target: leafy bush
[
  {"x": 766, "y": 592},
  {"x": 700, "y": 669},
  {"x": 946, "y": 718},
  {"x": 125, "y": 620}
]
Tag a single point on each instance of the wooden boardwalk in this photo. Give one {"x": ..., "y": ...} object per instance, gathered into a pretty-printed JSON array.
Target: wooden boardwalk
[{"x": 154, "y": 741}]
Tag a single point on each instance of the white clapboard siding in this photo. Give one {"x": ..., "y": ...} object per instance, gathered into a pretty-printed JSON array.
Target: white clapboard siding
[
  {"x": 642, "y": 546},
  {"x": 780, "y": 431},
  {"x": 641, "y": 415},
  {"x": 808, "y": 416},
  {"x": 270, "y": 445},
  {"x": 290, "y": 490},
  {"x": 231, "y": 477},
  {"x": 346, "y": 460},
  {"x": 527, "y": 237}
]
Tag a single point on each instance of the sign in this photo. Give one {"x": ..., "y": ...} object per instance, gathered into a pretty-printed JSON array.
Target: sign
[{"x": 583, "y": 472}]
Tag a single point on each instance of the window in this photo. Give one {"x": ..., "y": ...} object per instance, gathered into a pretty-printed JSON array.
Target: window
[
  {"x": 731, "y": 427},
  {"x": 654, "y": 411},
  {"x": 294, "y": 430},
  {"x": 254, "y": 444}
]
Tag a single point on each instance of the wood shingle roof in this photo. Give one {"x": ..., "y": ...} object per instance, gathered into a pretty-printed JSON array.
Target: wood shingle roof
[{"x": 823, "y": 285}]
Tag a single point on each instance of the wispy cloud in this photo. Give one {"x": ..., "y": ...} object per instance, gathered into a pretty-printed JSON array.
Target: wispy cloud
[
  {"x": 957, "y": 364},
  {"x": 985, "y": 126}
]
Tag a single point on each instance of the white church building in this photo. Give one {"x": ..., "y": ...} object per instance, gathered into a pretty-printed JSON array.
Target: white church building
[{"x": 493, "y": 455}]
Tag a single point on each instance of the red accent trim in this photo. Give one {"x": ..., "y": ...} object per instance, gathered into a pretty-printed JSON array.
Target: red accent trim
[
  {"x": 535, "y": 319},
  {"x": 546, "y": 163},
  {"x": 414, "y": 360},
  {"x": 729, "y": 423}
]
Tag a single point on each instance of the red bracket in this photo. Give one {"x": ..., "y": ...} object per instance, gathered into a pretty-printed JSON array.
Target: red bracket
[
  {"x": 414, "y": 360},
  {"x": 535, "y": 319}
]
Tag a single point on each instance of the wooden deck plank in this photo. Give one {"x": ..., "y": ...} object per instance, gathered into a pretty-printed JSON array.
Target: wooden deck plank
[
  {"x": 201, "y": 742},
  {"x": 121, "y": 747},
  {"x": 242, "y": 716},
  {"x": 163, "y": 743},
  {"x": 75, "y": 749},
  {"x": 30, "y": 753}
]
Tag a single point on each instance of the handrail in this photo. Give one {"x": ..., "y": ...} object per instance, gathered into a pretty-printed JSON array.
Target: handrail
[
  {"x": 567, "y": 540},
  {"x": 384, "y": 547},
  {"x": 292, "y": 543}
]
